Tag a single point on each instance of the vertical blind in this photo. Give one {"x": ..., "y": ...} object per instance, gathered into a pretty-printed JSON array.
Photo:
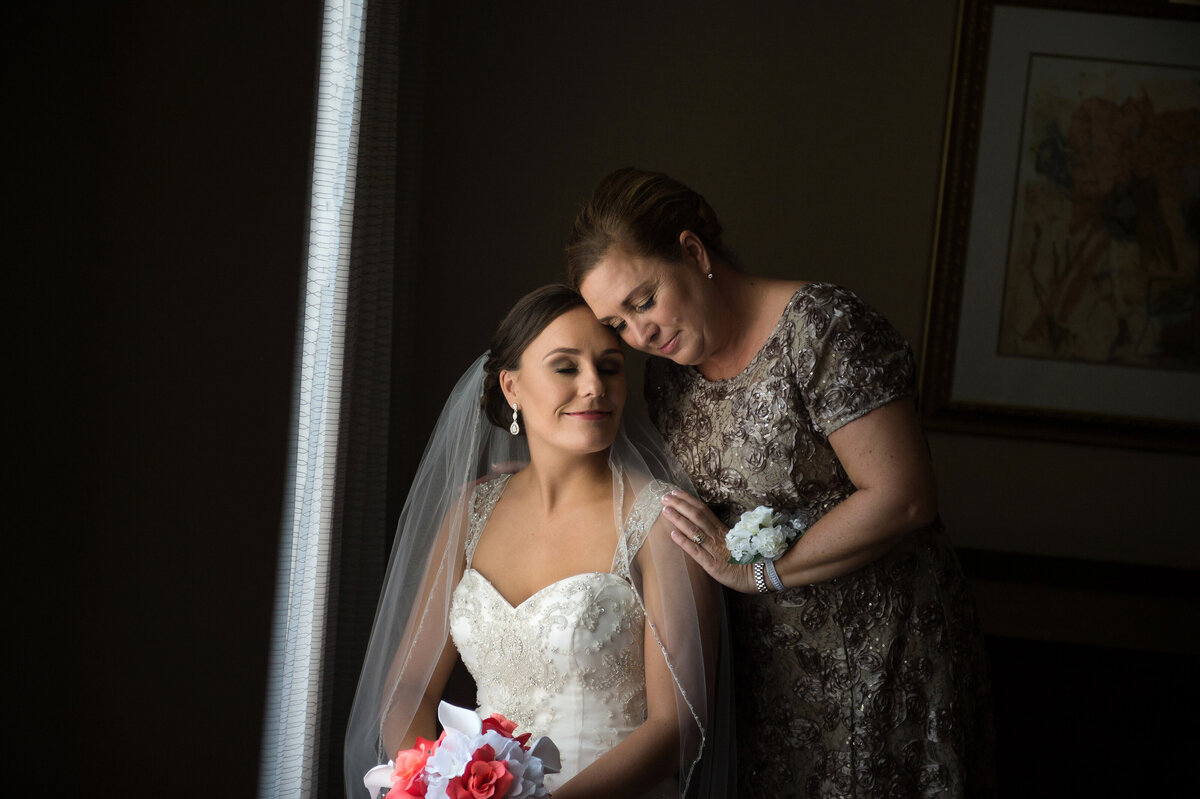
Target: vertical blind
[{"x": 291, "y": 755}]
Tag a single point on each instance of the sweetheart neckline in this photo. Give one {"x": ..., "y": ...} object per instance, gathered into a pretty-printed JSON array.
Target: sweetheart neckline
[{"x": 544, "y": 588}]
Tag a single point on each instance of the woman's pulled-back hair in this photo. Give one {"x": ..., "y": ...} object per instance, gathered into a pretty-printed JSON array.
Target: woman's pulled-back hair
[
  {"x": 642, "y": 213},
  {"x": 532, "y": 314}
]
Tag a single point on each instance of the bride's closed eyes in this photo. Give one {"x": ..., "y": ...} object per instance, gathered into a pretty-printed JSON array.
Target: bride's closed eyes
[{"x": 609, "y": 366}]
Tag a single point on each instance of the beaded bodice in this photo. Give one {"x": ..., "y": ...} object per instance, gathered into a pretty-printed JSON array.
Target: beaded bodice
[{"x": 568, "y": 661}]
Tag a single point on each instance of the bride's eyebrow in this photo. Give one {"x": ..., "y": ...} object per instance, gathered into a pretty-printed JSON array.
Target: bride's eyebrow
[{"x": 573, "y": 351}]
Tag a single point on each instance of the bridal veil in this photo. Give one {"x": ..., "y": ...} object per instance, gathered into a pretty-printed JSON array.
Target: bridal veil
[{"x": 427, "y": 560}]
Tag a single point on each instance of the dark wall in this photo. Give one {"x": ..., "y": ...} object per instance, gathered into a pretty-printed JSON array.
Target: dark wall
[{"x": 167, "y": 159}]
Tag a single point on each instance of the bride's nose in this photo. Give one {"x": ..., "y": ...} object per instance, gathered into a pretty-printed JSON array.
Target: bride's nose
[{"x": 591, "y": 383}]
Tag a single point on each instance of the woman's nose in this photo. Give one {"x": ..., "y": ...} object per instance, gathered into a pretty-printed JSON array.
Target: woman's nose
[
  {"x": 591, "y": 383},
  {"x": 640, "y": 334}
]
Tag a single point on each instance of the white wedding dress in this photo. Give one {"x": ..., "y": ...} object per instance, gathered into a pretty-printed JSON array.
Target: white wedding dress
[{"x": 568, "y": 661}]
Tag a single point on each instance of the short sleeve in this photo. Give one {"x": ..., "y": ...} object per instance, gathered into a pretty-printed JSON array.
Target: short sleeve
[
  {"x": 483, "y": 502},
  {"x": 855, "y": 360},
  {"x": 647, "y": 507}
]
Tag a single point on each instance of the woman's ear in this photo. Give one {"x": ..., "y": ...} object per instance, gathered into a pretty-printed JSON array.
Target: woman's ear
[
  {"x": 694, "y": 252},
  {"x": 508, "y": 384}
]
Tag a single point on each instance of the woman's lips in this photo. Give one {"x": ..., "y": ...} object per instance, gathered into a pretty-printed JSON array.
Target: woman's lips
[
  {"x": 670, "y": 346},
  {"x": 591, "y": 416}
]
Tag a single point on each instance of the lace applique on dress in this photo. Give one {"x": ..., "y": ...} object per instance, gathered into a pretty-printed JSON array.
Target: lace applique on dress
[
  {"x": 645, "y": 511},
  {"x": 483, "y": 502}
]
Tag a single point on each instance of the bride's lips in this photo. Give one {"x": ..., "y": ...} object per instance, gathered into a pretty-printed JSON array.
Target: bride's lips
[
  {"x": 671, "y": 345},
  {"x": 591, "y": 416}
]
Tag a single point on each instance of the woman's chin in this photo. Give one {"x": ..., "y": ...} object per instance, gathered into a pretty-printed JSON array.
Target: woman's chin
[
  {"x": 600, "y": 442},
  {"x": 583, "y": 444}
]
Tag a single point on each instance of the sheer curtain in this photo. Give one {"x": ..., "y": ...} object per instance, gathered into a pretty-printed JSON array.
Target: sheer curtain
[{"x": 334, "y": 528}]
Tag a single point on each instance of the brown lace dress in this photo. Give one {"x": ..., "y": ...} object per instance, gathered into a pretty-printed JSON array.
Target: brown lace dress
[{"x": 869, "y": 685}]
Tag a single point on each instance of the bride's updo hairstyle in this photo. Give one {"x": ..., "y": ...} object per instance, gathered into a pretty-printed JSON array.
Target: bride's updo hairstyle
[
  {"x": 641, "y": 213},
  {"x": 532, "y": 314}
]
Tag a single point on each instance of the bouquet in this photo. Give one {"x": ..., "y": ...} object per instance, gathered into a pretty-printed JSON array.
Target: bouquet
[
  {"x": 472, "y": 759},
  {"x": 762, "y": 534}
]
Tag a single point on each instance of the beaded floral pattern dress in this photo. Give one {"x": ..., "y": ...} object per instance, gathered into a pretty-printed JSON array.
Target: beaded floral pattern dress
[
  {"x": 568, "y": 661},
  {"x": 869, "y": 685}
]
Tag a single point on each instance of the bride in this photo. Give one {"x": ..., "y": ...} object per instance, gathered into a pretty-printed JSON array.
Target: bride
[{"x": 558, "y": 586}]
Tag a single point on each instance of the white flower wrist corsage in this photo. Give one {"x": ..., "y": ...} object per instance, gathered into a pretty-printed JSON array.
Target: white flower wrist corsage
[{"x": 759, "y": 538}]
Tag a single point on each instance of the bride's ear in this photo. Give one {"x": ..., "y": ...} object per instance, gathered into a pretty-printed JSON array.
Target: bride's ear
[{"x": 508, "y": 384}]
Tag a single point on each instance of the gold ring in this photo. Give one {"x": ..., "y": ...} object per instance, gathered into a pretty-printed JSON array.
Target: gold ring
[{"x": 699, "y": 538}]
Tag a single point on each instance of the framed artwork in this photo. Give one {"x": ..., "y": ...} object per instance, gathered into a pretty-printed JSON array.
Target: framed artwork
[{"x": 1065, "y": 295}]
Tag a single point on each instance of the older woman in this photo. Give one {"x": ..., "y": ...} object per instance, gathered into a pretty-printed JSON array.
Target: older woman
[{"x": 858, "y": 661}]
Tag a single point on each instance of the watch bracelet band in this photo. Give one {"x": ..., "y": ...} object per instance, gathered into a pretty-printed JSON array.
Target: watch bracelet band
[{"x": 760, "y": 580}]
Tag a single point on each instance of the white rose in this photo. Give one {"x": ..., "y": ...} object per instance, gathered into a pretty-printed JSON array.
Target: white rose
[
  {"x": 759, "y": 517},
  {"x": 771, "y": 542},
  {"x": 740, "y": 543}
]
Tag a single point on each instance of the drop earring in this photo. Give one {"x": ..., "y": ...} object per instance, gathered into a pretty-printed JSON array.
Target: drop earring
[{"x": 514, "y": 428}]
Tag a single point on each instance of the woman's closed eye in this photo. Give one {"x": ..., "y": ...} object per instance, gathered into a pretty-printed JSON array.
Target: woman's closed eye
[
  {"x": 619, "y": 325},
  {"x": 611, "y": 366}
]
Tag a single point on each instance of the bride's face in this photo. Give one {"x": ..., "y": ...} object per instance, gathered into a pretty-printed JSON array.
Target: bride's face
[{"x": 571, "y": 384}]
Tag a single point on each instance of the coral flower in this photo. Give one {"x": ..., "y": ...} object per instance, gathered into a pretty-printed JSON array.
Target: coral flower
[{"x": 408, "y": 777}]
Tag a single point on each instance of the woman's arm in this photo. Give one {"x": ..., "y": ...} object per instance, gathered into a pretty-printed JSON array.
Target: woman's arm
[
  {"x": 424, "y": 723},
  {"x": 886, "y": 458},
  {"x": 409, "y": 707}
]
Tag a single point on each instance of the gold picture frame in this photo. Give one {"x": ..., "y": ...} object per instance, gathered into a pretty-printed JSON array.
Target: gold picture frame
[{"x": 1065, "y": 293}]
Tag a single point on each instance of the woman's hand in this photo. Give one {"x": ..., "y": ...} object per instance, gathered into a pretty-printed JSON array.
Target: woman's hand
[{"x": 700, "y": 533}]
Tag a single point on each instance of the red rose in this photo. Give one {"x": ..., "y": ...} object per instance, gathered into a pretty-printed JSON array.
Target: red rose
[
  {"x": 506, "y": 728},
  {"x": 483, "y": 778}
]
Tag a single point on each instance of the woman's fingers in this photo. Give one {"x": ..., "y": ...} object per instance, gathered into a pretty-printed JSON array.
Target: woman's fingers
[
  {"x": 728, "y": 574},
  {"x": 697, "y": 551},
  {"x": 686, "y": 523},
  {"x": 700, "y": 533},
  {"x": 689, "y": 504},
  {"x": 704, "y": 530},
  {"x": 679, "y": 505}
]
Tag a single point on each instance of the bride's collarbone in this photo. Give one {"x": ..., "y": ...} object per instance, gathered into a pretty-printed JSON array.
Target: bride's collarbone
[{"x": 522, "y": 553}]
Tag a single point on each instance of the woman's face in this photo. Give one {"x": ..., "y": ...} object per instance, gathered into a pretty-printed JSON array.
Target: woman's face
[
  {"x": 655, "y": 306},
  {"x": 571, "y": 384}
]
